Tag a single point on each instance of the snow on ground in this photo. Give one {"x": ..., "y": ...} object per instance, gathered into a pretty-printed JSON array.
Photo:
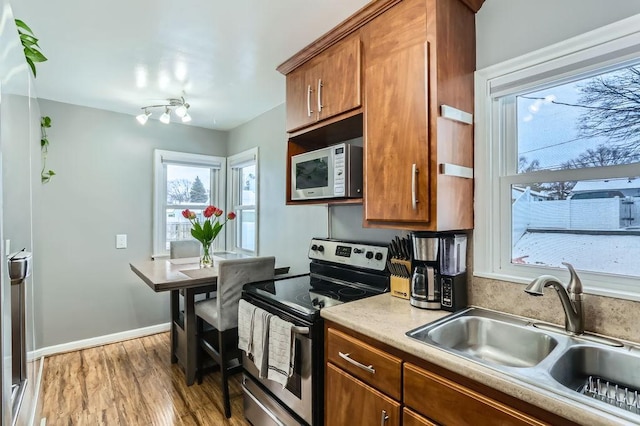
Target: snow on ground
[{"x": 616, "y": 254}]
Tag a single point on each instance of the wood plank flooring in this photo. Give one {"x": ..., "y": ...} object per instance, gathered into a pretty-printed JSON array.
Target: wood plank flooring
[{"x": 132, "y": 383}]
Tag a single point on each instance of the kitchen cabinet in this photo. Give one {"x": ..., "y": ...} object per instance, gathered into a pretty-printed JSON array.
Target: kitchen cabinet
[
  {"x": 360, "y": 375},
  {"x": 325, "y": 86},
  {"x": 362, "y": 372},
  {"x": 419, "y": 56}
]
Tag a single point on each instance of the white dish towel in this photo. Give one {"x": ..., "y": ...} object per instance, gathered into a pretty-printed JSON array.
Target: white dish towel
[
  {"x": 281, "y": 350},
  {"x": 245, "y": 326},
  {"x": 260, "y": 341}
]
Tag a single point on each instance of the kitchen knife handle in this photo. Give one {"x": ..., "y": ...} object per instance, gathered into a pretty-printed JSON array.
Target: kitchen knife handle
[
  {"x": 309, "y": 91},
  {"x": 414, "y": 174},
  {"x": 319, "y": 95},
  {"x": 348, "y": 358}
]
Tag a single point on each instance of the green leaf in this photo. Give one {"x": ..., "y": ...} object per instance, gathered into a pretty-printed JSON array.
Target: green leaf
[
  {"x": 22, "y": 25},
  {"x": 34, "y": 54},
  {"x": 208, "y": 231},
  {"x": 52, "y": 173},
  {"x": 45, "y": 121},
  {"x": 28, "y": 40},
  {"x": 32, "y": 66}
]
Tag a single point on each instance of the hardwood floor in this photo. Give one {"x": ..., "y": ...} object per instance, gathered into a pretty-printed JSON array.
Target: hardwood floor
[{"x": 132, "y": 383}]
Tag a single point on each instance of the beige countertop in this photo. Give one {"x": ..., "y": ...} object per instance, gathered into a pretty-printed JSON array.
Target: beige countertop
[{"x": 387, "y": 319}]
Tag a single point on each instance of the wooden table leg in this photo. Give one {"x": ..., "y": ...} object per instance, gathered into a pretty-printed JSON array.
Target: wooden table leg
[
  {"x": 175, "y": 317},
  {"x": 190, "y": 335}
]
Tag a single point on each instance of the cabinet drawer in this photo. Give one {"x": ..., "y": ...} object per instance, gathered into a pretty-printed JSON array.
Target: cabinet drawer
[
  {"x": 351, "y": 402},
  {"x": 411, "y": 418},
  {"x": 449, "y": 403},
  {"x": 373, "y": 366}
]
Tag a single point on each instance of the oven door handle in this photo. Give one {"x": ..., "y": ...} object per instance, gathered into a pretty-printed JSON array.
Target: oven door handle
[
  {"x": 347, "y": 357},
  {"x": 300, "y": 330}
]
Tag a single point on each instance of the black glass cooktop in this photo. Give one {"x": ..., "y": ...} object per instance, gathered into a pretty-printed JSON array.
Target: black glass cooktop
[{"x": 307, "y": 294}]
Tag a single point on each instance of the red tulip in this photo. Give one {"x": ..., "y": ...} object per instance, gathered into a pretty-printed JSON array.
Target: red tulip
[
  {"x": 209, "y": 211},
  {"x": 231, "y": 216},
  {"x": 218, "y": 212},
  {"x": 186, "y": 213}
]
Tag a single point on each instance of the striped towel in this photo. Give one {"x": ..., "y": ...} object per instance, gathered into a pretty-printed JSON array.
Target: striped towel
[
  {"x": 260, "y": 341},
  {"x": 281, "y": 351}
]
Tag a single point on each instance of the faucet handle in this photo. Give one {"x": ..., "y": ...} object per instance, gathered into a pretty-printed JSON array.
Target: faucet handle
[{"x": 575, "y": 285}]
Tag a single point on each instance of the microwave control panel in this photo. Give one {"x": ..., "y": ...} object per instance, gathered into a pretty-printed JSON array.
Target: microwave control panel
[{"x": 338, "y": 171}]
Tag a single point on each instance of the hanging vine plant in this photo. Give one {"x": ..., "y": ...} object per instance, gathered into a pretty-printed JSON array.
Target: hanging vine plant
[
  {"x": 29, "y": 45},
  {"x": 45, "y": 123}
]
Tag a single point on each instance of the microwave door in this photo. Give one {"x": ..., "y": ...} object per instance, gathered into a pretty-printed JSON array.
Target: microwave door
[{"x": 313, "y": 177}]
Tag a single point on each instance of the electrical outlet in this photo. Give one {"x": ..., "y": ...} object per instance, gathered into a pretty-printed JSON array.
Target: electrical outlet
[{"x": 121, "y": 241}]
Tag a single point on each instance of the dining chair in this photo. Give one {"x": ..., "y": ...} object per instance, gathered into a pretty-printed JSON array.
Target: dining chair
[
  {"x": 184, "y": 248},
  {"x": 221, "y": 313}
]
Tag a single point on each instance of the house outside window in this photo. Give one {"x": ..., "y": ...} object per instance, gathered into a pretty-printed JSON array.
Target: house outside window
[
  {"x": 242, "y": 194},
  {"x": 558, "y": 163},
  {"x": 184, "y": 181}
]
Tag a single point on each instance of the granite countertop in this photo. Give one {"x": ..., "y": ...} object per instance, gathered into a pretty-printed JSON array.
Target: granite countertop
[{"x": 386, "y": 318}]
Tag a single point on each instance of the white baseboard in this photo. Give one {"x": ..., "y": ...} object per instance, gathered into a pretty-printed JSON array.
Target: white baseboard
[{"x": 98, "y": 341}]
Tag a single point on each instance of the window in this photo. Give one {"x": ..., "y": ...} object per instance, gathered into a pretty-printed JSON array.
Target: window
[
  {"x": 558, "y": 163},
  {"x": 242, "y": 196},
  {"x": 184, "y": 181}
]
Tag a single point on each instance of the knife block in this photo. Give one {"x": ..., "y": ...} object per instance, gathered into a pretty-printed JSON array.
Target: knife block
[{"x": 401, "y": 286}]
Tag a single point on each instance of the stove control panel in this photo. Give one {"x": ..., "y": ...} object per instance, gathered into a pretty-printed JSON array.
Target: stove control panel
[{"x": 361, "y": 255}]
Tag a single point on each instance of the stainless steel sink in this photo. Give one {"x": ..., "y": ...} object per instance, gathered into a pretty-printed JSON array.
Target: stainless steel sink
[
  {"x": 494, "y": 340},
  {"x": 588, "y": 369}
]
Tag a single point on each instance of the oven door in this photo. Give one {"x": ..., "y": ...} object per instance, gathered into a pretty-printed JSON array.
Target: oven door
[{"x": 297, "y": 395}]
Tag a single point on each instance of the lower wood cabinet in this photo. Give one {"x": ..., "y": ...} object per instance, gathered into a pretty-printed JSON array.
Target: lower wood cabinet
[
  {"x": 350, "y": 401},
  {"x": 363, "y": 375}
]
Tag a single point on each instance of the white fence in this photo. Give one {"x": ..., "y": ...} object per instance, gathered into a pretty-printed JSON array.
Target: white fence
[{"x": 598, "y": 214}]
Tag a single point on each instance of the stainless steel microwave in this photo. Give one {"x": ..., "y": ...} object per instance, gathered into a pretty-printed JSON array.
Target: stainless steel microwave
[{"x": 331, "y": 172}]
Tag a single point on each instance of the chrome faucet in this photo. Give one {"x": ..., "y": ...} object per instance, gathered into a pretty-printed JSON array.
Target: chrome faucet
[{"x": 571, "y": 298}]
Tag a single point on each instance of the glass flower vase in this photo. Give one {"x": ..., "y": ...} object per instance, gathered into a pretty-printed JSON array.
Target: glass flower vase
[{"x": 206, "y": 261}]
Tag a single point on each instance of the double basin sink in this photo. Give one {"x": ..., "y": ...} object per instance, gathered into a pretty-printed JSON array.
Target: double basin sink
[{"x": 593, "y": 370}]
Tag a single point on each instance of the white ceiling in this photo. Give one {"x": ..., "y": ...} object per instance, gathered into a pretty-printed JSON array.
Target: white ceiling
[{"x": 120, "y": 55}]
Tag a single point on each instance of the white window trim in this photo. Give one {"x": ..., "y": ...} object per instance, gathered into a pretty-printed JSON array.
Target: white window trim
[
  {"x": 160, "y": 191},
  {"x": 610, "y": 44},
  {"x": 241, "y": 159}
]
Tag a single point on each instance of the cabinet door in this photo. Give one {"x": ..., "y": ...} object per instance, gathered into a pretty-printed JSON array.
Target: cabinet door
[
  {"x": 338, "y": 81},
  {"x": 351, "y": 402},
  {"x": 411, "y": 418},
  {"x": 301, "y": 95},
  {"x": 450, "y": 403},
  {"x": 395, "y": 115}
]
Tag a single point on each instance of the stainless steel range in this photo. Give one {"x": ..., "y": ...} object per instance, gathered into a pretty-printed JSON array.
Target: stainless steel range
[{"x": 340, "y": 271}]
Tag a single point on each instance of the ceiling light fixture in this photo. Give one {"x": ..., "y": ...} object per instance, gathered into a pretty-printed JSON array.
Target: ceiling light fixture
[{"x": 179, "y": 106}]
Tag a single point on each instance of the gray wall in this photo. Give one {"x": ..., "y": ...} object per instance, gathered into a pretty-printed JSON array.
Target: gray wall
[
  {"x": 506, "y": 29},
  {"x": 103, "y": 187},
  {"x": 283, "y": 231}
]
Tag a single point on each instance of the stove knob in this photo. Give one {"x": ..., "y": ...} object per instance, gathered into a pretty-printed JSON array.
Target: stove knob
[
  {"x": 321, "y": 304},
  {"x": 369, "y": 255},
  {"x": 314, "y": 301},
  {"x": 378, "y": 256},
  {"x": 320, "y": 249},
  {"x": 314, "y": 247}
]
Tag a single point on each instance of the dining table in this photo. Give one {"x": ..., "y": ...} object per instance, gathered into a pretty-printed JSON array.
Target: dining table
[{"x": 185, "y": 276}]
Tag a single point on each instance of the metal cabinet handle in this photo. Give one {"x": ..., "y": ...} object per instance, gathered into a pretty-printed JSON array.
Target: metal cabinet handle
[
  {"x": 309, "y": 91},
  {"x": 414, "y": 174},
  {"x": 383, "y": 418},
  {"x": 319, "y": 95},
  {"x": 347, "y": 358}
]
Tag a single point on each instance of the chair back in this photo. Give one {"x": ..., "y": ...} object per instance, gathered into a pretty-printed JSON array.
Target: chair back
[
  {"x": 185, "y": 248},
  {"x": 232, "y": 275}
]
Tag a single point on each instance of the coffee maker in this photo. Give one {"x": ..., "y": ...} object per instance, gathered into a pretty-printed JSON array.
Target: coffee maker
[{"x": 439, "y": 279}]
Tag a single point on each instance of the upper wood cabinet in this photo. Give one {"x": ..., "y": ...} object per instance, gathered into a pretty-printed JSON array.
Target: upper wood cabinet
[
  {"x": 419, "y": 57},
  {"x": 325, "y": 86}
]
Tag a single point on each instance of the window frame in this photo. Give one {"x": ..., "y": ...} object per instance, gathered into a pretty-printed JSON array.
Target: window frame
[
  {"x": 218, "y": 186},
  {"x": 600, "y": 49},
  {"x": 234, "y": 164}
]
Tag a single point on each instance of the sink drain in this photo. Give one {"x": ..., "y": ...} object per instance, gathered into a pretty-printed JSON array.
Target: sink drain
[{"x": 612, "y": 393}]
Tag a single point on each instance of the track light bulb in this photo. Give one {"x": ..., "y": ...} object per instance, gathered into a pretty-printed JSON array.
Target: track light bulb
[
  {"x": 165, "y": 117},
  {"x": 181, "y": 111},
  {"x": 142, "y": 118},
  {"x": 186, "y": 118}
]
